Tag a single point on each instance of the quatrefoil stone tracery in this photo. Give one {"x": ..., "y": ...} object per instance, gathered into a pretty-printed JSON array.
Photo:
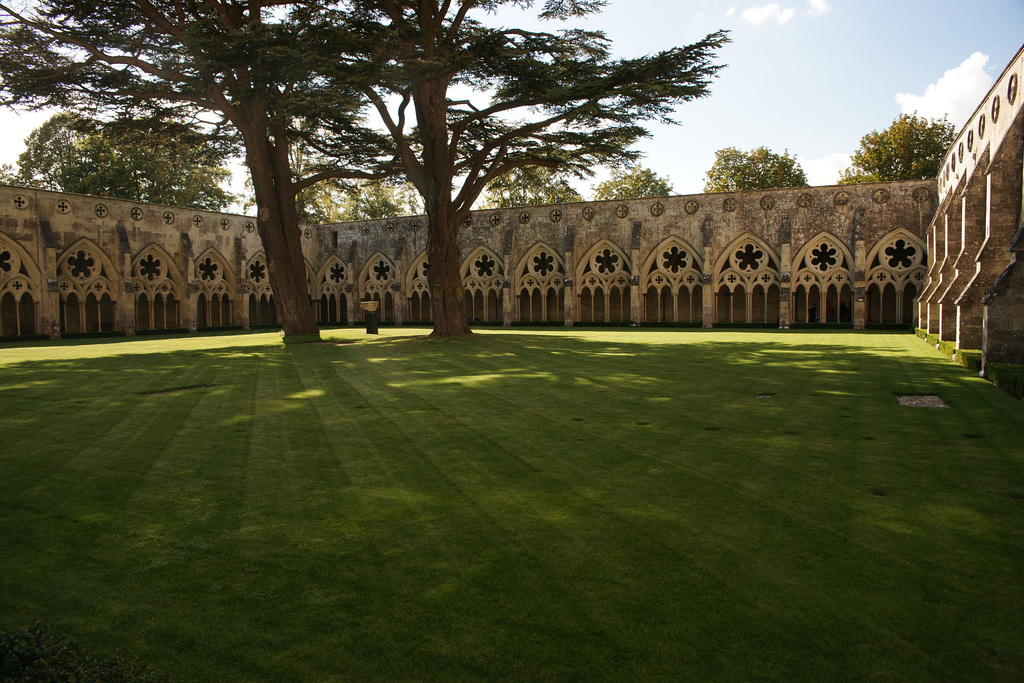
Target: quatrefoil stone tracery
[
  {"x": 901, "y": 254},
  {"x": 484, "y": 266},
  {"x": 749, "y": 257},
  {"x": 257, "y": 271},
  {"x": 208, "y": 270},
  {"x": 606, "y": 261},
  {"x": 382, "y": 271},
  {"x": 81, "y": 264},
  {"x": 823, "y": 257},
  {"x": 674, "y": 260},
  {"x": 149, "y": 267},
  {"x": 543, "y": 263}
]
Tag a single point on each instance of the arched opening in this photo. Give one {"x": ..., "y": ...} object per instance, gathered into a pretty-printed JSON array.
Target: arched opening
[
  {"x": 758, "y": 305},
  {"x": 739, "y": 304},
  {"x": 814, "y": 304},
  {"x": 723, "y": 313},
  {"x": 27, "y": 314},
  {"x": 666, "y": 305},
  {"x": 873, "y": 301},
  {"x": 845, "y": 310},
  {"x": 142, "y": 311},
  {"x": 772, "y": 306},
  {"x": 536, "y": 306},
  {"x": 909, "y": 303},
  {"x": 8, "y": 315},
  {"x": 889, "y": 314},
  {"x": 202, "y": 311},
  {"x": 71, "y": 314},
  {"x": 160, "y": 312},
  {"x": 651, "y": 305},
  {"x": 388, "y": 313},
  {"x": 493, "y": 313}
]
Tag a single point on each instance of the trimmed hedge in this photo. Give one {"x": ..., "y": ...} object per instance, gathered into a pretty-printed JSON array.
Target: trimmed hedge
[
  {"x": 41, "y": 655},
  {"x": 1007, "y": 377},
  {"x": 970, "y": 359},
  {"x": 891, "y": 327}
]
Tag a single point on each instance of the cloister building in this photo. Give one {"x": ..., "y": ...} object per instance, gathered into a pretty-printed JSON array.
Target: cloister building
[{"x": 938, "y": 253}]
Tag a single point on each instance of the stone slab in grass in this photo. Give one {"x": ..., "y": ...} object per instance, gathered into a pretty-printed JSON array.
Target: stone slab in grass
[{"x": 921, "y": 401}]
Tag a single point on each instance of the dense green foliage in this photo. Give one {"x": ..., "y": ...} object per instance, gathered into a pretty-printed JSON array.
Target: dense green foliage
[
  {"x": 1007, "y": 376},
  {"x": 38, "y": 654},
  {"x": 912, "y": 148},
  {"x": 249, "y": 74},
  {"x": 69, "y": 153},
  {"x": 529, "y": 186},
  {"x": 521, "y": 504},
  {"x": 466, "y": 102},
  {"x": 634, "y": 182},
  {"x": 758, "y": 169}
]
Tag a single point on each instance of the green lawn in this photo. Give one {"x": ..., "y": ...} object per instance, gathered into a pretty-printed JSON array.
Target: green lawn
[{"x": 520, "y": 505}]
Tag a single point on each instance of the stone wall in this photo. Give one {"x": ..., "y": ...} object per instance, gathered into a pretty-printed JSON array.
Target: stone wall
[
  {"x": 76, "y": 264},
  {"x": 973, "y": 291}
]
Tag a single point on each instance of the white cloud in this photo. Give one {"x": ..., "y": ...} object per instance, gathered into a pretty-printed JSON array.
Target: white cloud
[
  {"x": 730, "y": 12},
  {"x": 758, "y": 15},
  {"x": 956, "y": 94},
  {"x": 826, "y": 170},
  {"x": 818, "y": 7}
]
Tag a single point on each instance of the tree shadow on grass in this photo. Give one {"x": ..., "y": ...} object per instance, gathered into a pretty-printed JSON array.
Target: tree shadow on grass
[{"x": 412, "y": 508}]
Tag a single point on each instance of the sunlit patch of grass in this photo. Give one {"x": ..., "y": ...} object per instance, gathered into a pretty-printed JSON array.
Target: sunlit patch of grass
[{"x": 522, "y": 504}]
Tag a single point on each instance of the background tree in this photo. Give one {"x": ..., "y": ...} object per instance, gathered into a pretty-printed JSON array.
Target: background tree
[
  {"x": 758, "y": 169},
  {"x": 378, "y": 199},
  {"x": 69, "y": 153},
  {"x": 529, "y": 186},
  {"x": 551, "y": 99},
  {"x": 633, "y": 182},
  {"x": 243, "y": 72},
  {"x": 912, "y": 148}
]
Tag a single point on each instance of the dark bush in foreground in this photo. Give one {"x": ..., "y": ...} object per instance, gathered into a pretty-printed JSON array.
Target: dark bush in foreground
[
  {"x": 1008, "y": 377},
  {"x": 37, "y": 654}
]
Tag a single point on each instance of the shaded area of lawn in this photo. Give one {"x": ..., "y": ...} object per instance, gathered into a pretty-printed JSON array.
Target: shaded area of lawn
[{"x": 521, "y": 504}]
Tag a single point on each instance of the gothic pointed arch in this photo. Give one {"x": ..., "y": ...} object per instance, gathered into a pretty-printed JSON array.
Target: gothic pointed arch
[
  {"x": 20, "y": 285},
  {"x": 415, "y": 284},
  {"x": 483, "y": 277},
  {"x": 377, "y": 274},
  {"x": 604, "y": 262},
  {"x": 898, "y": 258},
  {"x": 212, "y": 273},
  {"x": 85, "y": 282},
  {"x": 85, "y": 268},
  {"x": 257, "y": 275},
  {"x": 333, "y": 276},
  {"x": 603, "y": 284},
  {"x": 216, "y": 290},
  {"x": 747, "y": 258},
  {"x": 154, "y": 271},
  {"x": 747, "y": 282},
  {"x": 377, "y": 282},
  {"x": 331, "y": 293},
  {"x": 415, "y": 277},
  {"x": 539, "y": 285},
  {"x": 822, "y": 282},
  {"x": 672, "y": 283},
  {"x": 157, "y": 286},
  {"x": 19, "y": 273}
]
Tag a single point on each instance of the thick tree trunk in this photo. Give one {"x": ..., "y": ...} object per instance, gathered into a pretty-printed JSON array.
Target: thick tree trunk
[
  {"x": 282, "y": 239},
  {"x": 444, "y": 277}
]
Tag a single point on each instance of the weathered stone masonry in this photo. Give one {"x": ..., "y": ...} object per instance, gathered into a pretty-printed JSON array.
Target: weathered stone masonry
[
  {"x": 71, "y": 263},
  {"x": 974, "y": 295}
]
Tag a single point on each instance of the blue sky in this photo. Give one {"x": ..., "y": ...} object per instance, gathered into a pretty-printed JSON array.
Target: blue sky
[
  {"x": 814, "y": 77},
  {"x": 808, "y": 76}
]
